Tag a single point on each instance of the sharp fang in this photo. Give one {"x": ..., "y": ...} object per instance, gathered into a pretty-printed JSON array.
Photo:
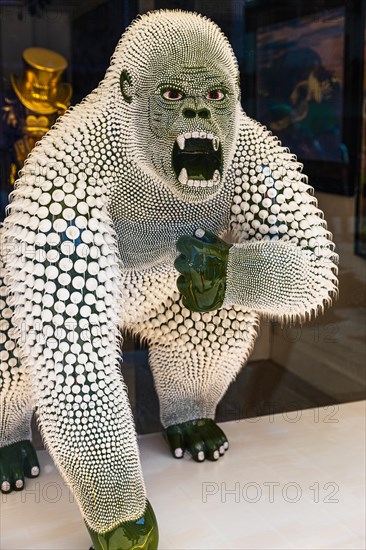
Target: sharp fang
[
  {"x": 183, "y": 176},
  {"x": 215, "y": 143},
  {"x": 181, "y": 140},
  {"x": 216, "y": 176}
]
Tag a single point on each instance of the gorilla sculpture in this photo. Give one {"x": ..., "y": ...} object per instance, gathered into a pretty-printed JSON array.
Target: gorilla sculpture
[{"x": 158, "y": 150}]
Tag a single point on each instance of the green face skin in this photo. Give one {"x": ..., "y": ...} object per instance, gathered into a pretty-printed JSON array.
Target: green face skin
[
  {"x": 202, "y": 263},
  {"x": 184, "y": 98},
  {"x": 141, "y": 534}
]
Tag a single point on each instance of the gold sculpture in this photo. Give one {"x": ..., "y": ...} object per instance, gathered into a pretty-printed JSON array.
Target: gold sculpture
[{"x": 40, "y": 99}]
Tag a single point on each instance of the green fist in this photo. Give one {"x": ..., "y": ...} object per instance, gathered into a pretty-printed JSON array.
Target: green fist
[
  {"x": 132, "y": 535},
  {"x": 202, "y": 263}
]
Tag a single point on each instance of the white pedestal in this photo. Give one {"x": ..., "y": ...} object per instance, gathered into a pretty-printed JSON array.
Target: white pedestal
[{"x": 290, "y": 481}]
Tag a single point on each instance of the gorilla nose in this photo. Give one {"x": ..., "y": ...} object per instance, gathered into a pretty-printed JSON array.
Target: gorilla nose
[{"x": 192, "y": 113}]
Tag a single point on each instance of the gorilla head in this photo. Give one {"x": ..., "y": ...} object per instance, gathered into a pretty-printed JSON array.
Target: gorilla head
[{"x": 178, "y": 93}]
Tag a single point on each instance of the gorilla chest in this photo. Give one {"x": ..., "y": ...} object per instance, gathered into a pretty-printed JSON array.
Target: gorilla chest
[{"x": 147, "y": 230}]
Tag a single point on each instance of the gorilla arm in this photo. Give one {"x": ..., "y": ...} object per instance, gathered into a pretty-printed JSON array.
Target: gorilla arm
[
  {"x": 66, "y": 294},
  {"x": 279, "y": 279},
  {"x": 285, "y": 267},
  {"x": 288, "y": 269},
  {"x": 17, "y": 456}
]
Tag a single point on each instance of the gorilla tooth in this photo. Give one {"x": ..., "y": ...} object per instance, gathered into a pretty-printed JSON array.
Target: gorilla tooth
[
  {"x": 216, "y": 176},
  {"x": 183, "y": 176},
  {"x": 210, "y": 183},
  {"x": 215, "y": 144},
  {"x": 210, "y": 136},
  {"x": 204, "y": 183},
  {"x": 203, "y": 135},
  {"x": 195, "y": 134},
  {"x": 188, "y": 135},
  {"x": 181, "y": 142},
  {"x": 190, "y": 183}
]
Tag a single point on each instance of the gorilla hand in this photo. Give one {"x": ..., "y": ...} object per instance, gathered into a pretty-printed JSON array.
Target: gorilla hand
[
  {"x": 202, "y": 264},
  {"x": 17, "y": 461},
  {"x": 141, "y": 534}
]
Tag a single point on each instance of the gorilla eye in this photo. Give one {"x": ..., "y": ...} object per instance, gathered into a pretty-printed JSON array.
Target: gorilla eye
[
  {"x": 215, "y": 95},
  {"x": 172, "y": 94}
]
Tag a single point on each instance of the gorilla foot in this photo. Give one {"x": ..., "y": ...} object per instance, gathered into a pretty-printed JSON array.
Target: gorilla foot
[
  {"x": 142, "y": 534},
  {"x": 201, "y": 438},
  {"x": 17, "y": 461}
]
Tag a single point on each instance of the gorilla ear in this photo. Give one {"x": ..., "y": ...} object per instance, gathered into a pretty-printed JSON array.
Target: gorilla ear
[{"x": 126, "y": 86}]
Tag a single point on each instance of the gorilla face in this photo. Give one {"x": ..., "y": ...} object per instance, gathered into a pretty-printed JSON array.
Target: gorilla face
[{"x": 190, "y": 135}]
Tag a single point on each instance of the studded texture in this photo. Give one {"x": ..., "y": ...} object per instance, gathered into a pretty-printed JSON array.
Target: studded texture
[
  {"x": 15, "y": 398},
  {"x": 89, "y": 243},
  {"x": 287, "y": 268}
]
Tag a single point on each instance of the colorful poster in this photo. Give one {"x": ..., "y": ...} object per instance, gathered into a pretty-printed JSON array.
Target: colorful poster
[{"x": 300, "y": 78}]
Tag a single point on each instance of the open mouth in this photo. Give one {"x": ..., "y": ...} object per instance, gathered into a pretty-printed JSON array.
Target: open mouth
[{"x": 197, "y": 159}]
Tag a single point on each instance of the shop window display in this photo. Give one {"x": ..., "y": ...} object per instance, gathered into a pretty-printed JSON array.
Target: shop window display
[{"x": 211, "y": 170}]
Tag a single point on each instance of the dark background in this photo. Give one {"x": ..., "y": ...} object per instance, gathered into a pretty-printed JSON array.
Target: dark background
[{"x": 87, "y": 33}]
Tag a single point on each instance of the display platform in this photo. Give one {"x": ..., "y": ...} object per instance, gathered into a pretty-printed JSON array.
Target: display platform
[{"x": 289, "y": 481}]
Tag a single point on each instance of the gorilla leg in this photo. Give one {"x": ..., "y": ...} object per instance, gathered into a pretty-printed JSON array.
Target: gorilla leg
[
  {"x": 66, "y": 288},
  {"x": 194, "y": 357},
  {"x": 17, "y": 456},
  {"x": 87, "y": 426},
  {"x": 84, "y": 413}
]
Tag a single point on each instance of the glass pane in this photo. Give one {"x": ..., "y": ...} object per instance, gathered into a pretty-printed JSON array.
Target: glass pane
[{"x": 303, "y": 75}]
